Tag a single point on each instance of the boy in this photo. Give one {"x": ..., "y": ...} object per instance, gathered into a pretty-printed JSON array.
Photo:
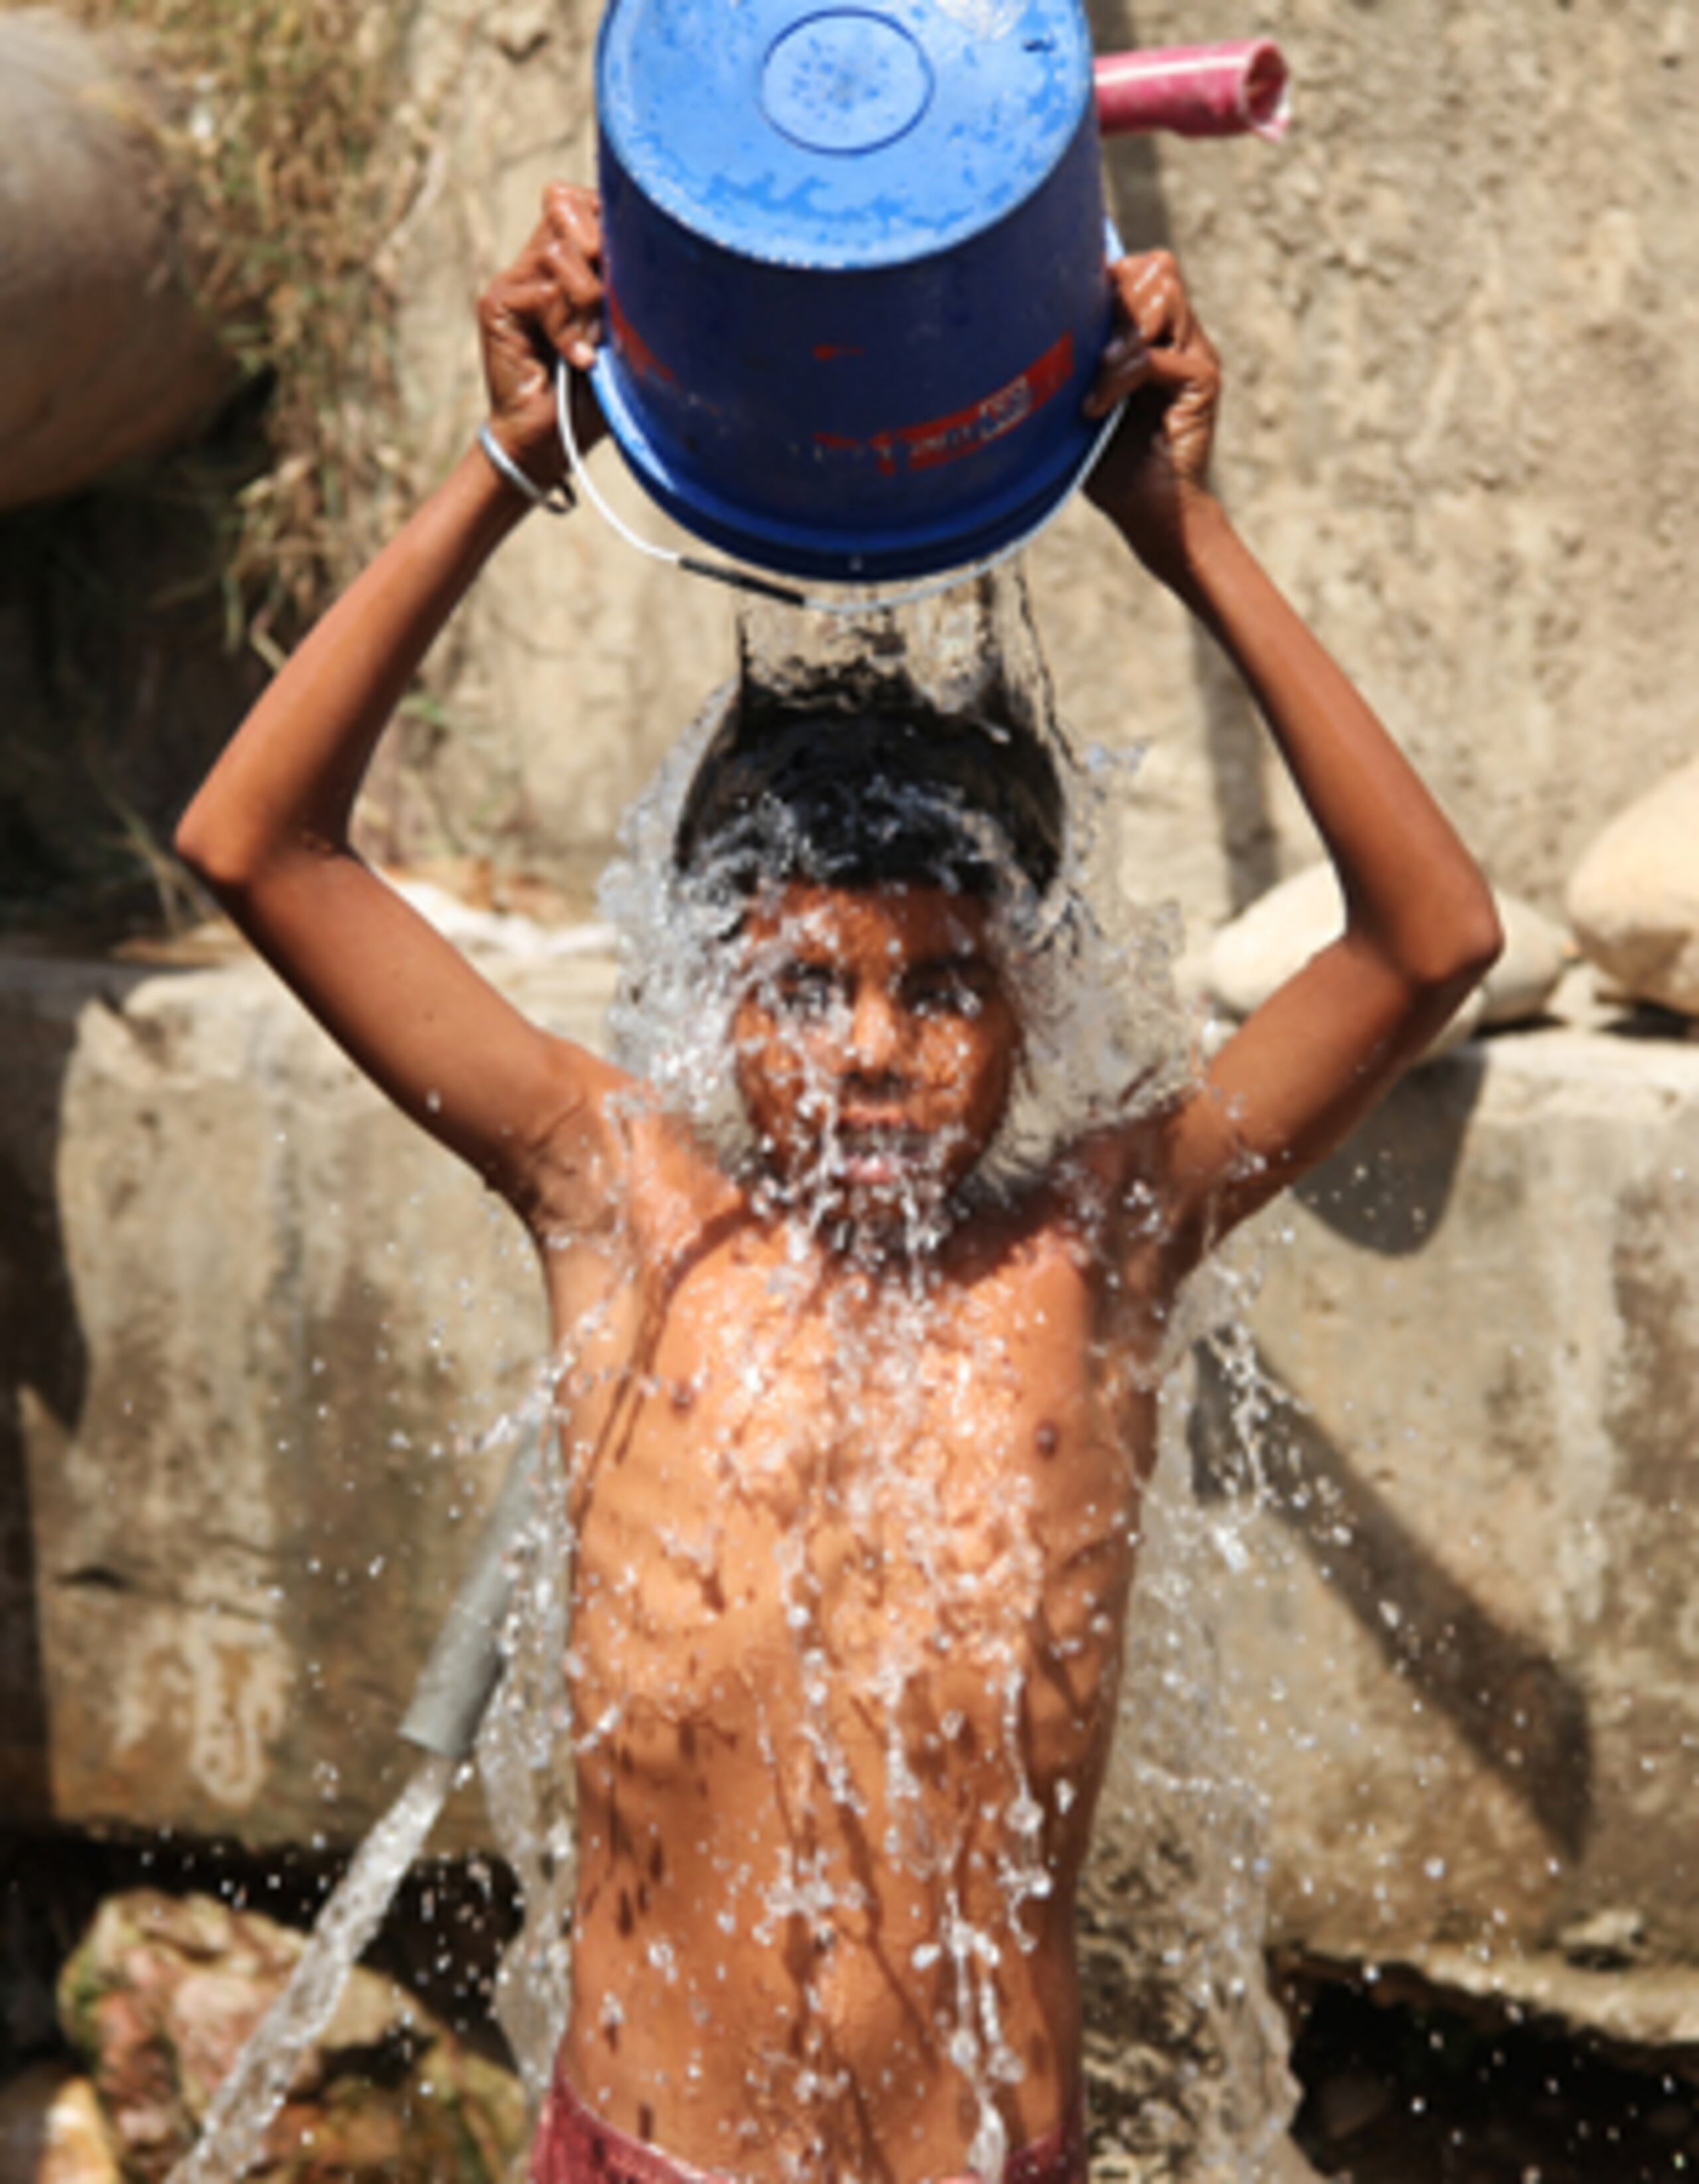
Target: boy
[{"x": 854, "y": 1507}]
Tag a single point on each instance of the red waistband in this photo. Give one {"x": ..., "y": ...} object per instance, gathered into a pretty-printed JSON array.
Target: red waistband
[{"x": 574, "y": 2146}]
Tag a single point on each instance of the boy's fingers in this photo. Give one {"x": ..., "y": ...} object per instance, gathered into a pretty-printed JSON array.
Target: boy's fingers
[
  {"x": 573, "y": 221},
  {"x": 576, "y": 275},
  {"x": 578, "y": 280},
  {"x": 1152, "y": 297},
  {"x": 1118, "y": 376},
  {"x": 568, "y": 249},
  {"x": 536, "y": 314},
  {"x": 575, "y": 324},
  {"x": 571, "y": 210},
  {"x": 1180, "y": 367}
]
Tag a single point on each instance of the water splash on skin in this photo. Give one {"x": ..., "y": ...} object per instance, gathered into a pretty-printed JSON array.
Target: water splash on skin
[
  {"x": 1091, "y": 977},
  {"x": 1099, "y": 1016},
  {"x": 874, "y": 1744},
  {"x": 1090, "y": 970}
]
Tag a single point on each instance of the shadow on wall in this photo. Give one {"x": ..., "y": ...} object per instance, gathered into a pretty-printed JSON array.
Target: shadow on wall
[
  {"x": 122, "y": 674},
  {"x": 1386, "y": 1190},
  {"x": 44, "y": 1362},
  {"x": 1233, "y": 734},
  {"x": 1519, "y": 1709},
  {"x": 1387, "y": 1187}
]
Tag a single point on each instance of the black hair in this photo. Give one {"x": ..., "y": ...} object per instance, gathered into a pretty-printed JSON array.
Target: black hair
[{"x": 880, "y": 788}]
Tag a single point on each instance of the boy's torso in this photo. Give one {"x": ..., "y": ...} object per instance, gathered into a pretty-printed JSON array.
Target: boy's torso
[{"x": 852, "y": 1552}]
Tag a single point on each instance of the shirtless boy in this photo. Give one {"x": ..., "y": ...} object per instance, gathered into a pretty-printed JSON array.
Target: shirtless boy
[{"x": 854, "y": 1532}]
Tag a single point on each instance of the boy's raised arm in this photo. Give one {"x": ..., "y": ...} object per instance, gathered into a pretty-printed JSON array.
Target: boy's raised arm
[
  {"x": 269, "y": 829},
  {"x": 1421, "y": 927}
]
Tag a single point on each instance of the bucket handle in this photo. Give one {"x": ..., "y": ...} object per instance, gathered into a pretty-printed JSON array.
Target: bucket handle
[{"x": 766, "y": 587}]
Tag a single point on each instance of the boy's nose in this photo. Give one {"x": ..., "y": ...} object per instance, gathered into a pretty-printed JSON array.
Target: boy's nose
[{"x": 875, "y": 1034}]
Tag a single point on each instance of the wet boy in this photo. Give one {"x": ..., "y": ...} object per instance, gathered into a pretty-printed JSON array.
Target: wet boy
[{"x": 855, "y": 1526}]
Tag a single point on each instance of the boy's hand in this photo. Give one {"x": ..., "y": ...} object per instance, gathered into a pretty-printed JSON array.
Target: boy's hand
[
  {"x": 1156, "y": 467},
  {"x": 547, "y": 304}
]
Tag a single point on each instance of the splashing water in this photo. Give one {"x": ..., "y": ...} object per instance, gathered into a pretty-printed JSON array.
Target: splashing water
[
  {"x": 833, "y": 1655},
  {"x": 910, "y": 1614},
  {"x": 245, "y": 2104}
]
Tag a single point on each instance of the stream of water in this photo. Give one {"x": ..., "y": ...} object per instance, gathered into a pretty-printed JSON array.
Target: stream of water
[{"x": 243, "y": 2107}]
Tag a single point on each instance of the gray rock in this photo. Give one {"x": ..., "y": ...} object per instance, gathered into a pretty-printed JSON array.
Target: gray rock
[
  {"x": 162, "y": 1993},
  {"x": 1634, "y": 900},
  {"x": 1270, "y": 942},
  {"x": 1537, "y": 953},
  {"x": 1280, "y": 932}
]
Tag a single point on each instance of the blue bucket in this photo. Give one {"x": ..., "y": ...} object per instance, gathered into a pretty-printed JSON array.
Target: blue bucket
[{"x": 856, "y": 262}]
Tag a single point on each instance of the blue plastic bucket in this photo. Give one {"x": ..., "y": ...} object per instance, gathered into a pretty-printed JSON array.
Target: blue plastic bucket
[{"x": 856, "y": 259}]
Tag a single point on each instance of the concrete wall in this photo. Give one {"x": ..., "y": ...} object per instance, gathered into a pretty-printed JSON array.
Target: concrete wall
[
  {"x": 1466, "y": 1644},
  {"x": 1459, "y": 310},
  {"x": 254, "y": 1328}
]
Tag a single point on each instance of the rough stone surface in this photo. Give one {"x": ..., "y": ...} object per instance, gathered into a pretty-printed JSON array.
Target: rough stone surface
[
  {"x": 1522, "y": 985},
  {"x": 1472, "y": 220},
  {"x": 1634, "y": 900},
  {"x": 1464, "y": 1640},
  {"x": 52, "y": 2131},
  {"x": 162, "y": 1992},
  {"x": 255, "y": 1328},
  {"x": 90, "y": 243}
]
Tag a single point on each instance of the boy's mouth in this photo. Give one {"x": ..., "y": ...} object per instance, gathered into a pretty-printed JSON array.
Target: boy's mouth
[{"x": 880, "y": 1154}]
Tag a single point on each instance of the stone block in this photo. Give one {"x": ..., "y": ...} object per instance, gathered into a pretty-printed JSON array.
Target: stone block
[
  {"x": 257, "y": 1327},
  {"x": 1465, "y": 1646}
]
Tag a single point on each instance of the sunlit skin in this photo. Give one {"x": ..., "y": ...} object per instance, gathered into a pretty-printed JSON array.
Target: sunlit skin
[{"x": 855, "y": 1529}]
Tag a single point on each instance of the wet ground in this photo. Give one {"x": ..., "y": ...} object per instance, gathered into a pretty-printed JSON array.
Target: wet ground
[
  {"x": 1394, "y": 2094},
  {"x": 1399, "y": 2095}
]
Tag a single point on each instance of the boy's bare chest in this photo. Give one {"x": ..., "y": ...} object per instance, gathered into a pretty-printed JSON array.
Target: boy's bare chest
[
  {"x": 879, "y": 1472},
  {"x": 752, "y": 1371}
]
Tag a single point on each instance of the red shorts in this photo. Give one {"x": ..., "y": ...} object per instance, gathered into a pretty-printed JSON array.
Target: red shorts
[{"x": 573, "y": 2145}]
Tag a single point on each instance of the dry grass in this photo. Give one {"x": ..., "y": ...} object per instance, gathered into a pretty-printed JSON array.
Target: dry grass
[
  {"x": 143, "y": 605},
  {"x": 300, "y": 171}
]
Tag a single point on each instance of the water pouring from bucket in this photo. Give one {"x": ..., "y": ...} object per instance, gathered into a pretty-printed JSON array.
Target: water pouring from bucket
[{"x": 856, "y": 266}]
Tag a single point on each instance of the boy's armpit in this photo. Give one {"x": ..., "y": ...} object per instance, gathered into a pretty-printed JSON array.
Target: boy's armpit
[{"x": 575, "y": 1172}]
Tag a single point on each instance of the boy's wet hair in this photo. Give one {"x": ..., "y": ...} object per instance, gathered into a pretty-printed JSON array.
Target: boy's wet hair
[{"x": 863, "y": 787}]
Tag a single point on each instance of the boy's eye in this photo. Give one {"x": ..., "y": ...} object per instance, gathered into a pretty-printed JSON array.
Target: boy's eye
[
  {"x": 807, "y": 990},
  {"x": 950, "y": 992}
]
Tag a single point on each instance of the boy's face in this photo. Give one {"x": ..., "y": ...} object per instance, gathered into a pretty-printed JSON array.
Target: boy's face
[{"x": 876, "y": 1041}]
